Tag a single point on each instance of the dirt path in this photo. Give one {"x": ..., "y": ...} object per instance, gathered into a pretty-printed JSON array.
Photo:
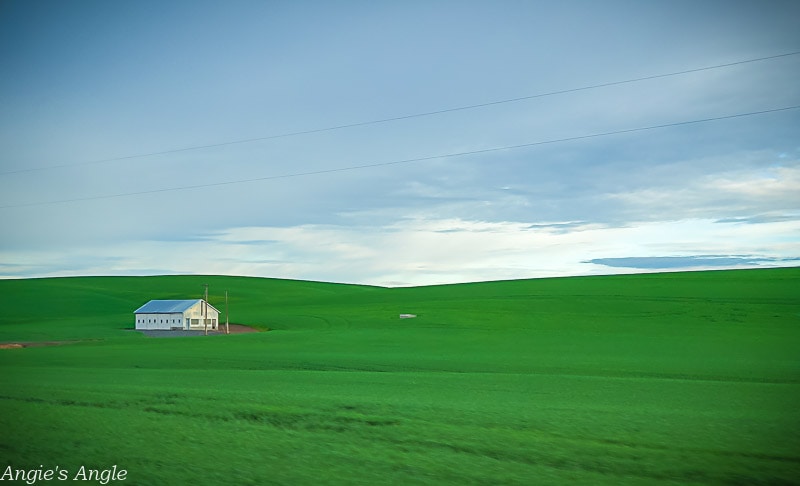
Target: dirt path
[
  {"x": 238, "y": 328},
  {"x": 36, "y": 344},
  {"x": 234, "y": 328}
]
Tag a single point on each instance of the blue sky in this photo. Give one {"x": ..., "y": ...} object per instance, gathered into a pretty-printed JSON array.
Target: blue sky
[{"x": 88, "y": 88}]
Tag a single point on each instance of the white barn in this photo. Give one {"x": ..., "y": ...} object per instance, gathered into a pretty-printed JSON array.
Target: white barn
[{"x": 177, "y": 314}]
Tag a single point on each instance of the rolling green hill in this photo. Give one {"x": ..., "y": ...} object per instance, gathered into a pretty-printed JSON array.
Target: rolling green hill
[{"x": 679, "y": 378}]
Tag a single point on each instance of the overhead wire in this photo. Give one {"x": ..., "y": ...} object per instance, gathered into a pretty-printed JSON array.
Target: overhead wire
[
  {"x": 403, "y": 161},
  {"x": 402, "y": 117}
]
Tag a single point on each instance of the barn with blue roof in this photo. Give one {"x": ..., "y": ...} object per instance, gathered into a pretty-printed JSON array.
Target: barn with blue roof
[{"x": 169, "y": 315}]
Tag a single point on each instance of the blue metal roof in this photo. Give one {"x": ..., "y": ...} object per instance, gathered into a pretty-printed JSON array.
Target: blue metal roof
[{"x": 166, "y": 306}]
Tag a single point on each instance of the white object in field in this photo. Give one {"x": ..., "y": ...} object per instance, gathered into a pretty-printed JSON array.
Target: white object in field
[
  {"x": 407, "y": 316},
  {"x": 176, "y": 314}
]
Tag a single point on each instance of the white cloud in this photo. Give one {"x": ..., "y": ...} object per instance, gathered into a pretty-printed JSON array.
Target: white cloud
[
  {"x": 779, "y": 185},
  {"x": 724, "y": 193}
]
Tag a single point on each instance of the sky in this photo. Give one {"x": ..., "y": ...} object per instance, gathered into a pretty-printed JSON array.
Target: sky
[{"x": 398, "y": 143}]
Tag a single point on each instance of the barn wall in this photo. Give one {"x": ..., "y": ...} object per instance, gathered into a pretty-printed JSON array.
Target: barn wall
[
  {"x": 159, "y": 321},
  {"x": 195, "y": 313}
]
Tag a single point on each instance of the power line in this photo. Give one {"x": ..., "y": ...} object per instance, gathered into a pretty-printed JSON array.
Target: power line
[
  {"x": 404, "y": 117},
  {"x": 404, "y": 161}
]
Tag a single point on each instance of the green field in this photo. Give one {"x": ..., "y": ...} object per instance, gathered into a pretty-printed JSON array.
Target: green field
[{"x": 679, "y": 378}]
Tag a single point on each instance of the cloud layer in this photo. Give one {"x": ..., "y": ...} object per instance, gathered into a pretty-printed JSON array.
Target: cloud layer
[
  {"x": 201, "y": 75},
  {"x": 426, "y": 251}
]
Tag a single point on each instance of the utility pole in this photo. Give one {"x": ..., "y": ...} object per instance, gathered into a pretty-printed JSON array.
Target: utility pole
[
  {"x": 227, "y": 328},
  {"x": 205, "y": 310}
]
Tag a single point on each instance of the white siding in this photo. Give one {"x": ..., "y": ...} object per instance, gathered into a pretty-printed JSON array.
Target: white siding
[
  {"x": 195, "y": 313},
  {"x": 159, "y": 321}
]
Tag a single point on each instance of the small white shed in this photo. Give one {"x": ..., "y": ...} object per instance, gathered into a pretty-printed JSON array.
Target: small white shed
[{"x": 177, "y": 315}]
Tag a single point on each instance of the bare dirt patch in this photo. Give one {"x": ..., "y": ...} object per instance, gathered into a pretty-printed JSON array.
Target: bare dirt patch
[
  {"x": 36, "y": 344},
  {"x": 238, "y": 328},
  {"x": 234, "y": 329}
]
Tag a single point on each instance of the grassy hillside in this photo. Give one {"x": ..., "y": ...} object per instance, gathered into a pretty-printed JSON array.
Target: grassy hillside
[{"x": 683, "y": 378}]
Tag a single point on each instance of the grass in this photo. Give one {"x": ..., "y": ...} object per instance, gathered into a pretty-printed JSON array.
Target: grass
[{"x": 683, "y": 378}]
